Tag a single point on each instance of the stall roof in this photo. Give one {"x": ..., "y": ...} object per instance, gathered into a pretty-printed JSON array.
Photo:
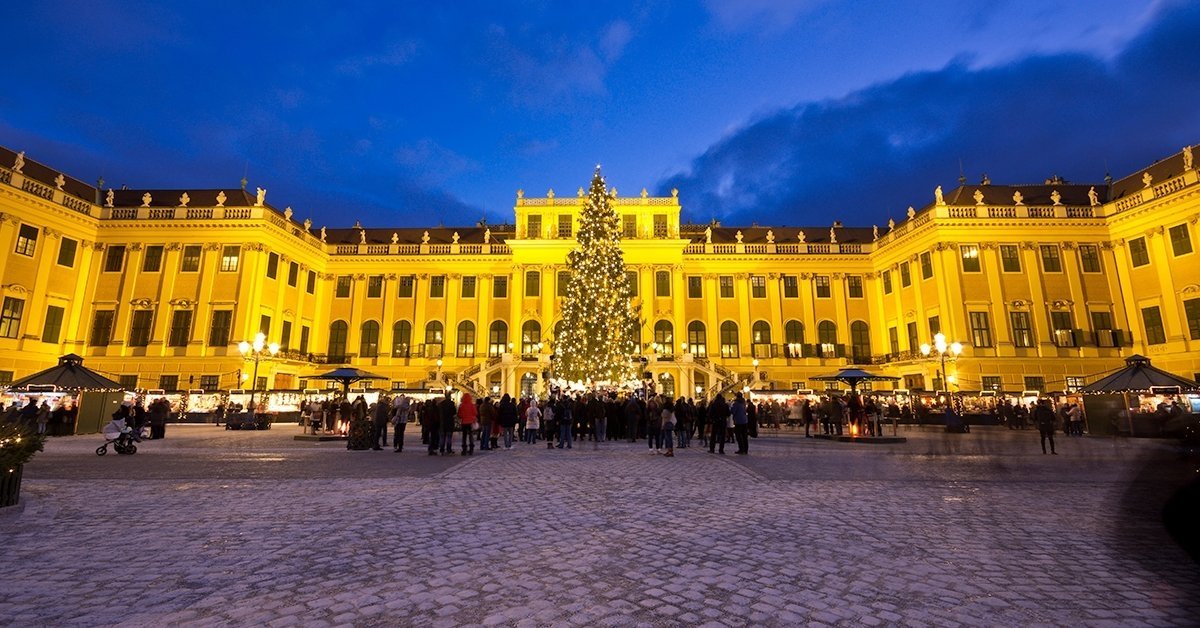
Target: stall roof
[
  {"x": 1138, "y": 376},
  {"x": 70, "y": 374}
]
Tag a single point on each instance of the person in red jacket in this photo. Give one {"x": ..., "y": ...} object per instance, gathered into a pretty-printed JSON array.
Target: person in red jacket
[{"x": 467, "y": 414}]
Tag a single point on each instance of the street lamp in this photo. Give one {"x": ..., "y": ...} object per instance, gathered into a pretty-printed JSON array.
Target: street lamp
[
  {"x": 940, "y": 349},
  {"x": 754, "y": 363},
  {"x": 257, "y": 350}
]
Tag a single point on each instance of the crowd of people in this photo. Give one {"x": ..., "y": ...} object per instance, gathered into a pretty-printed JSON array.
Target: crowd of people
[{"x": 37, "y": 415}]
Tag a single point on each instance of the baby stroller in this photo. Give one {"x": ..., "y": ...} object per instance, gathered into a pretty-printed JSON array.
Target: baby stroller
[{"x": 121, "y": 437}]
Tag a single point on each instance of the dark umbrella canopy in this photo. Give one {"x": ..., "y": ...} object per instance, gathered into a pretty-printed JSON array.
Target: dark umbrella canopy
[
  {"x": 347, "y": 376},
  {"x": 1138, "y": 376},
  {"x": 70, "y": 374},
  {"x": 853, "y": 377}
]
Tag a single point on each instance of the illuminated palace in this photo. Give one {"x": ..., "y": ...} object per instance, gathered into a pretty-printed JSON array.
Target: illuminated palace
[{"x": 1044, "y": 286}]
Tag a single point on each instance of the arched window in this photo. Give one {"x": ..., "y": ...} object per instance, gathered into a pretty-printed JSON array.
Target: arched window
[
  {"x": 531, "y": 337},
  {"x": 433, "y": 339},
  {"x": 729, "y": 339},
  {"x": 368, "y": 346},
  {"x": 337, "y": 341},
  {"x": 666, "y": 385},
  {"x": 697, "y": 339},
  {"x": 497, "y": 338},
  {"x": 401, "y": 339},
  {"x": 664, "y": 337},
  {"x": 860, "y": 341},
  {"x": 466, "y": 339},
  {"x": 827, "y": 338},
  {"x": 760, "y": 339},
  {"x": 793, "y": 338}
]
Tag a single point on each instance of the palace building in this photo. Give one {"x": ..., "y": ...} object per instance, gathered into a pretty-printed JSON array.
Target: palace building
[{"x": 1046, "y": 286}]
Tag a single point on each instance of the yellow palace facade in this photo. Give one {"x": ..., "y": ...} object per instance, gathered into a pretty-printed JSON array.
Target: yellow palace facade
[{"x": 1045, "y": 286}]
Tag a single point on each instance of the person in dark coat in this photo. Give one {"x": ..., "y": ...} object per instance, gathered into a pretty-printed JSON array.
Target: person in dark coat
[
  {"x": 160, "y": 410},
  {"x": 718, "y": 415},
  {"x": 1044, "y": 419},
  {"x": 430, "y": 425},
  {"x": 379, "y": 424},
  {"x": 741, "y": 423},
  {"x": 446, "y": 413},
  {"x": 506, "y": 417}
]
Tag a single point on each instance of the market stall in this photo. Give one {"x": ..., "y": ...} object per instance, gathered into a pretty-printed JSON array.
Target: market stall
[
  {"x": 93, "y": 396},
  {"x": 1139, "y": 400}
]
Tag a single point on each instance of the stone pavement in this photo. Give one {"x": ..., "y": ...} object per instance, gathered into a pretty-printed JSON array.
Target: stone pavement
[{"x": 210, "y": 528}]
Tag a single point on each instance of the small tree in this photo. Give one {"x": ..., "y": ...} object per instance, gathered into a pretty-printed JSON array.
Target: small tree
[{"x": 595, "y": 340}]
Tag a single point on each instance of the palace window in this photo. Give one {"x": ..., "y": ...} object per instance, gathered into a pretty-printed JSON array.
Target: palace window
[
  {"x": 1064, "y": 331},
  {"x": 374, "y": 286},
  {"x": 791, "y": 287},
  {"x": 564, "y": 226},
  {"x": 468, "y": 287},
  {"x": 725, "y": 284},
  {"x": 497, "y": 338},
  {"x": 114, "y": 259},
  {"x": 981, "y": 330},
  {"x": 171, "y": 382},
  {"x": 970, "y": 258},
  {"x": 466, "y": 340},
  {"x": 695, "y": 287},
  {"x": 500, "y": 287},
  {"x": 533, "y": 226},
  {"x": 561, "y": 283},
  {"x": 189, "y": 262},
  {"x": 991, "y": 382},
  {"x": 664, "y": 336},
  {"x": 433, "y": 339},
  {"x": 631, "y": 278},
  {"x": 264, "y": 324},
  {"x": 531, "y": 337},
  {"x": 437, "y": 286},
  {"x": 1152, "y": 320},
  {"x": 860, "y": 341},
  {"x": 102, "y": 324},
  {"x": 368, "y": 345},
  {"x": 926, "y": 265},
  {"x": 401, "y": 339},
  {"x": 697, "y": 338},
  {"x": 887, "y": 281},
  {"x": 662, "y": 283},
  {"x": 293, "y": 273},
  {"x": 729, "y": 339},
  {"x": 1089, "y": 258},
  {"x": 285, "y": 335},
  {"x": 905, "y": 275},
  {"x": 935, "y": 326},
  {"x": 822, "y": 286},
  {"x": 218, "y": 330},
  {"x": 533, "y": 283},
  {"x": 210, "y": 382},
  {"x": 1022, "y": 329},
  {"x": 1191, "y": 314},
  {"x": 272, "y": 265},
  {"x": 894, "y": 339},
  {"x": 793, "y": 338},
  {"x": 628, "y": 227},
  {"x": 405, "y": 286},
  {"x": 66, "y": 252},
  {"x": 914, "y": 340},
  {"x": 181, "y": 328},
  {"x": 660, "y": 225},
  {"x": 1181, "y": 240},
  {"x": 52, "y": 328},
  {"x": 229, "y": 258},
  {"x": 27, "y": 238},
  {"x": 760, "y": 337},
  {"x": 1051, "y": 262},
  {"x": 827, "y": 339},
  {"x": 758, "y": 286},
  {"x": 10, "y": 317},
  {"x": 1010, "y": 258},
  {"x": 854, "y": 286},
  {"x": 152, "y": 260},
  {"x": 1035, "y": 382},
  {"x": 1138, "y": 254},
  {"x": 337, "y": 341},
  {"x": 139, "y": 328},
  {"x": 304, "y": 333}
]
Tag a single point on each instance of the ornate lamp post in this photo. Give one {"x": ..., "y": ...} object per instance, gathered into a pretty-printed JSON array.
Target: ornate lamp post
[
  {"x": 256, "y": 351},
  {"x": 941, "y": 350}
]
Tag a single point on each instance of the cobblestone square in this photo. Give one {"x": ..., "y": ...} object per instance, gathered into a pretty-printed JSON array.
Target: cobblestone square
[{"x": 217, "y": 528}]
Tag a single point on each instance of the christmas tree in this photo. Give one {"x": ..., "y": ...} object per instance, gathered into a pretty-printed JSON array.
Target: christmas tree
[{"x": 595, "y": 340}]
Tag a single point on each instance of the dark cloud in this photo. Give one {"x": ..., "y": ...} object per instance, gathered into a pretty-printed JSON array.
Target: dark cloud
[{"x": 869, "y": 155}]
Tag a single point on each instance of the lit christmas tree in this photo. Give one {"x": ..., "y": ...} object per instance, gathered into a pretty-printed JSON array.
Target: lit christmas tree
[{"x": 595, "y": 340}]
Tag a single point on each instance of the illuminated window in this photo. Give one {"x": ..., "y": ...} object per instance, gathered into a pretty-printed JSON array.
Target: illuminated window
[
  {"x": 729, "y": 339},
  {"x": 229, "y": 258},
  {"x": 697, "y": 339},
  {"x": 189, "y": 262},
  {"x": 368, "y": 346},
  {"x": 970, "y": 258},
  {"x": 1022, "y": 329},
  {"x": 27, "y": 238},
  {"x": 10, "y": 317},
  {"x": 791, "y": 287},
  {"x": 401, "y": 338},
  {"x": 466, "y": 340},
  {"x": 758, "y": 287},
  {"x": 822, "y": 286},
  {"x": 1089, "y": 258},
  {"x": 854, "y": 286},
  {"x": 1010, "y": 258},
  {"x": 725, "y": 283}
]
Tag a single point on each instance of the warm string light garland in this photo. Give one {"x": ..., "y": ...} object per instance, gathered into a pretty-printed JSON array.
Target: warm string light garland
[{"x": 596, "y": 337}]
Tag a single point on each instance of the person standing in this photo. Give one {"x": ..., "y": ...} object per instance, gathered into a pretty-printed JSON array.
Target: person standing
[
  {"x": 566, "y": 420},
  {"x": 632, "y": 413},
  {"x": 668, "y": 427},
  {"x": 160, "y": 409},
  {"x": 741, "y": 423},
  {"x": 654, "y": 426},
  {"x": 446, "y": 414},
  {"x": 467, "y": 415},
  {"x": 383, "y": 412},
  {"x": 43, "y": 417},
  {"x": 718, "y": 416},
  {"x": 1044, "y": 419},
  {"x": 533, "y": 421},
  {"x": 598, "y": 419},
  {"x": 506, "y": 418},
  {"x": 430, "y": 424},
  {"x": 400, "y": 407},
  {"x": 487, "y": 419}
]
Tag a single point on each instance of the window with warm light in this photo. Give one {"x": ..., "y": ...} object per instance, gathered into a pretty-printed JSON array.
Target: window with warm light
[{"x": 970, "y": 258}]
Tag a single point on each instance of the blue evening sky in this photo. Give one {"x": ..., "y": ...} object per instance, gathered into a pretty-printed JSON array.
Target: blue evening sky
[{"x": 775, "y": 111}]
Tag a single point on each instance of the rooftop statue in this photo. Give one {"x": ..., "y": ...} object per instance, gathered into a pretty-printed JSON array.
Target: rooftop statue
[
  {"x": 108, "y": 198},
  {"x": 425, "y": 237},
  {"x": 1056, "y": 198},
  {"x": 307, "y": 223},
  {"x": 184, "y": 199},
  {"x": 1147, "y": 179},
  {"x": 262, "y": 197},
  {"x": 1187, "y": 158},
  {"x": 322, "y": 234},
  {"x": 454, "y": 238},
  {"x": 60, "y": 181},
  {"x": 891, "y": 224},
  {"x": 395, "y": 237},
  {"x": 770, "y": 236},
  {"x": 146, "y": 198},
  {"x": 19, "y": 162},
  {"x": 487, "y": 234},
  {"x": 362, "y": 236},
  {"x": 937, "y": 195},
  {"x": 874, "y": 232},
  {"x": 912, "y": 213},
  {"x": 708, "y": 234},
  {"x": 832, "y": 236},
  {"x": 1018, "y": 198},
  {"x": 800, "y": 237},
  {"x": 1093, "y": 198},
  {"x": 287, "y": 212},
  {"x": 979, "y": 197},
  {"x": 221, "y": 198},
  {"x": 739, "y": 236}
]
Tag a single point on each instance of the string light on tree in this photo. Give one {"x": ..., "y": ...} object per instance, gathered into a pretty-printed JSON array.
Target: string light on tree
[{"x": 598, "y": 323}]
